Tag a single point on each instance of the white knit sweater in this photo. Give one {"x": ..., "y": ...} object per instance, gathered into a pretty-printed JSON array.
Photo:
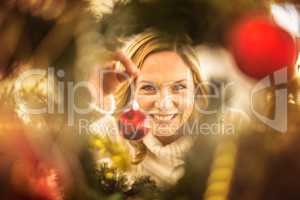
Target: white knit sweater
[{"x": 164, "y": 164}]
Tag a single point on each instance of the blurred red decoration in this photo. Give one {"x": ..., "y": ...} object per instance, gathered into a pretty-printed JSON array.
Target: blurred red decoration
[
  {"x": 35, "y": 181},
  {"x": 132, "y": 125},
  {"x": 30, "y": 176},
  {"x": 260, "y": 47}
]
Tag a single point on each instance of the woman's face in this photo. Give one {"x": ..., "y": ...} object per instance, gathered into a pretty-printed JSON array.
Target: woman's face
[{"x": 165, "y": 91}]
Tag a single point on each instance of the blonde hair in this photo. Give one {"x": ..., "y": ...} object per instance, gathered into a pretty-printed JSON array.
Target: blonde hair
[{"x": 146, "y": 43}]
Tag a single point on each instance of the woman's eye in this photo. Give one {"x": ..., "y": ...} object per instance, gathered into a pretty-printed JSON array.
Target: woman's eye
[
  {"x": 179, "y": 87},
  {"x": 148, "y": 89}
]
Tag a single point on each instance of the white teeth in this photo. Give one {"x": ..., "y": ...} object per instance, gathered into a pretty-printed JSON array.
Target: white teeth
[{"x": 163, "y": 117}]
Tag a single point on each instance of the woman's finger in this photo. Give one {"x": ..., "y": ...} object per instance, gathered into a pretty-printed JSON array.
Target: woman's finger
[{"x": 130, "y": 67}]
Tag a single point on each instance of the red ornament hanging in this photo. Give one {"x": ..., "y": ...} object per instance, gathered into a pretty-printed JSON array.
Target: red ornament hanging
[
  {"x": 132, "y": 124},
  {"x": 260, "y": 47}
]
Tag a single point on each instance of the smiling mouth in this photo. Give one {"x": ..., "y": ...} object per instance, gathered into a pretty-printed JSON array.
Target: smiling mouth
[{"x": 163, "y": 118}]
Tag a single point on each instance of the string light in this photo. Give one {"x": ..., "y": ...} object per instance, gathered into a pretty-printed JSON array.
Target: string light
[{"x": 298, "y": 65}]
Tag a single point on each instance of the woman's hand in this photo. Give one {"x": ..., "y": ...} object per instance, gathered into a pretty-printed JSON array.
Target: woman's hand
[{"x": 106, "y": 80}]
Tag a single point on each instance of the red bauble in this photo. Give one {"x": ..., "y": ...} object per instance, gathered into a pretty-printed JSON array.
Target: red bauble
[
  {"x": 260, "y": 47},
  {"x": 132, "y": 125}
]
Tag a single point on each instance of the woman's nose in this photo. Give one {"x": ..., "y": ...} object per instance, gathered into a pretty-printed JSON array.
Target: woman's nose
[{"x": 165, "y": 102}]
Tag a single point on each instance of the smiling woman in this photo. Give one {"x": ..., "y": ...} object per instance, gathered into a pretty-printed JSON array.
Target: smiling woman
[
  {"x": 165, "y": 80},
  {"x": 166, "y": 95}
]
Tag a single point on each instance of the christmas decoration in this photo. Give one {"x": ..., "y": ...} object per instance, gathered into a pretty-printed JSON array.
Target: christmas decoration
[
  {"x": 30, "y": 176},
  {"x": 47, "y": 9},
  {"x": 112, "y": 153},
  {"x": 260, "y": 47},
  {"x": 111, "y": 182},
  {"x": 132, "y": 125},
  {"x": 40, "y": 181},
  {"x": 204, "y": 21},
  {"x": 38, "y": 154}
]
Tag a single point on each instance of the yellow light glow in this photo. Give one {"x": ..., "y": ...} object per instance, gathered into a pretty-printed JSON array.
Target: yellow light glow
[{"x": 298, "y": 65}]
